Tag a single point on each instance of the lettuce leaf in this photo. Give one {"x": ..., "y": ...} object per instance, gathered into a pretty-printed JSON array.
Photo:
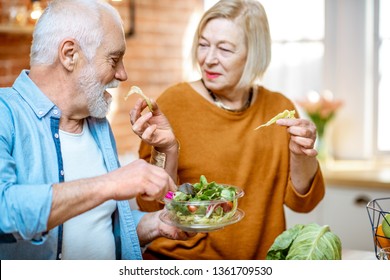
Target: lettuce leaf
[{"x": 306, "y": 242}]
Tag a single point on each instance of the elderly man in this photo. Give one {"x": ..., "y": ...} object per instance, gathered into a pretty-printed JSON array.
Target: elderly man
[{"x": 62, "y": 192}]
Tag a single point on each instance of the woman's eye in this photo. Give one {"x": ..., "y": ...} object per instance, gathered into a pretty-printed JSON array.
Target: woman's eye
[{"x": 225, "y": 50}]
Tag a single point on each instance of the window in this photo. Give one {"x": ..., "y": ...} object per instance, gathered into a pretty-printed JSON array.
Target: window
[
  {"x": 383, "y": 73},
  {"x": 297, "y": 32}
]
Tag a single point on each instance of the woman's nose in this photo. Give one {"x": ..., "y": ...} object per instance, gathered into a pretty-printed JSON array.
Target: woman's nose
[{"x": 211, "y": 57}]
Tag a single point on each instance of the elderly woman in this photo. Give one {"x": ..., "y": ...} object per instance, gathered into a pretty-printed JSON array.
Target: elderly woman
[{"x": 214, "y": 120}]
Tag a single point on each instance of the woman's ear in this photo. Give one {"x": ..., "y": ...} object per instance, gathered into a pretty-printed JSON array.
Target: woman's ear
[{"x": 68, "y": 54}]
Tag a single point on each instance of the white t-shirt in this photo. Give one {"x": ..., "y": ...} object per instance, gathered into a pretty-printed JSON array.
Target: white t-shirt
[{"x": 89, "y": 235}]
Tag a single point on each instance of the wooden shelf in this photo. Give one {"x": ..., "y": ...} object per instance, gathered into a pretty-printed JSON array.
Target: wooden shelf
[{"x": 14, "y": 29}]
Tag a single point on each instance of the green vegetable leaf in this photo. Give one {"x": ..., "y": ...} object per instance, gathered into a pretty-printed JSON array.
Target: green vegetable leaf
[
  {"x": 180, "y": 196},
  {"x": 208, "y": 213},
  {"x": 315, "y": 242},
  {"x": 203, "y": 180},
  {"x": 306, "y": 242},
  {"x": 228, "y": 194},
  {"x": 282, "y": 243}
]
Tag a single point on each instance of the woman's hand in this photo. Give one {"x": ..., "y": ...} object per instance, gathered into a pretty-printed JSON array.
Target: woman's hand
[
  {"x": 303, "y": 136},
  {"x": 303, "y": 161},
  {"x": 153, "y": 128}
]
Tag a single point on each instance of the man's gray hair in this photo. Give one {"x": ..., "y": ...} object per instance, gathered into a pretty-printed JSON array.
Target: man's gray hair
[{"x": 77, "y": 19}]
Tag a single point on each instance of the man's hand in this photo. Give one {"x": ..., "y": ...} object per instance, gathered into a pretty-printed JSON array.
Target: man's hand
[
  {"x": 139, "y": 178},
  {"x": 151, "y": 227}
]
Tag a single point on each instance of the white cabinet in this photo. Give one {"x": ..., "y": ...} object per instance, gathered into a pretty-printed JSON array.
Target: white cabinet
[{"x": 344, "y": 210}]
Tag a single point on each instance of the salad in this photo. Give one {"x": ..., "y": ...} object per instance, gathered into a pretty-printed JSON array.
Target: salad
[{"x": 203, "y": 203}]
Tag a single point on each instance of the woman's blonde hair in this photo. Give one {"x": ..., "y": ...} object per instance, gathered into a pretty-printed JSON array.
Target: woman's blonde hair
[{"x": 251, "y": 16}]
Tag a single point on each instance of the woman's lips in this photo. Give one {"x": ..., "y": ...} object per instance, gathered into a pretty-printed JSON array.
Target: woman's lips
[{"x": 211, "y": 75}]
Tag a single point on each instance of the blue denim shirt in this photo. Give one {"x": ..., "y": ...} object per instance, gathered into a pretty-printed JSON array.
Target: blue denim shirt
[{"x": 30, "y": 162}]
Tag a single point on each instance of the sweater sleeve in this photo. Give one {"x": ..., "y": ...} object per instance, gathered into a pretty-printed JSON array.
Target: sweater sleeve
[{"x": 307, "y": 202}]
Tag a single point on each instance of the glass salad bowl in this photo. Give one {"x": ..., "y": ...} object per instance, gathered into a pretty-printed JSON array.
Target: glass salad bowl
[{"x": 203, "y": 207}]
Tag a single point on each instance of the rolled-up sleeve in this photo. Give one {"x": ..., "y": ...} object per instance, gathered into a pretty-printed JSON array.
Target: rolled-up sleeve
[{"x": 24, "y": 208}]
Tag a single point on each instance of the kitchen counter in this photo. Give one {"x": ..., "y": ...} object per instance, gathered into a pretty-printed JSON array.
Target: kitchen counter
[
  {"x": 358, "y": 255},
  {"x": 357, "y": 174}
]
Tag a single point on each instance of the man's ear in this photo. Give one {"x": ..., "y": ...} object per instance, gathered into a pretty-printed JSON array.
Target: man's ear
[{"x": 68, "y": 54}]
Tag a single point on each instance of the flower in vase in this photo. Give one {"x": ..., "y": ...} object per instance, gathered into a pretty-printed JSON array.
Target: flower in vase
[{"x": 321, "y": 108}]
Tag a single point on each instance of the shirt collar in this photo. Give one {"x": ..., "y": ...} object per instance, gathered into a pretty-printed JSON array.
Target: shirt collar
[{"x": 37, "y": 100}]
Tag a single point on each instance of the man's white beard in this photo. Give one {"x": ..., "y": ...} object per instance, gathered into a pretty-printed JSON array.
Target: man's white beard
[{"x": 98, "y": 106}]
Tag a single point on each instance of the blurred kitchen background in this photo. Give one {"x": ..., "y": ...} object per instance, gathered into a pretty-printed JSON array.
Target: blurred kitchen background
[{"x": 328, "y": 56}]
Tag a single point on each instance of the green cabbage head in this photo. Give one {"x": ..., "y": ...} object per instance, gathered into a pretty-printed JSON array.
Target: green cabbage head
[{"x": 306, "y": 242}]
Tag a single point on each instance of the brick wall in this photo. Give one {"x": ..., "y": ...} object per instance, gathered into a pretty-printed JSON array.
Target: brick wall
[
  {"x": 14, "y": 47},
  {"x": 14, "y": 56},
  {"x": 154, "y": 59}
]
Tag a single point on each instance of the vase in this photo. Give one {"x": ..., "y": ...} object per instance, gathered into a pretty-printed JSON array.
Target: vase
[
  {"x": 322, "y": 148},
  {"x": 323, "y": 145}
]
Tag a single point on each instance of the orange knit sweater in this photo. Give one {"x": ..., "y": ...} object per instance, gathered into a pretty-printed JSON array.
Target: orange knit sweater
[{"x": 224, "y": 147}]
